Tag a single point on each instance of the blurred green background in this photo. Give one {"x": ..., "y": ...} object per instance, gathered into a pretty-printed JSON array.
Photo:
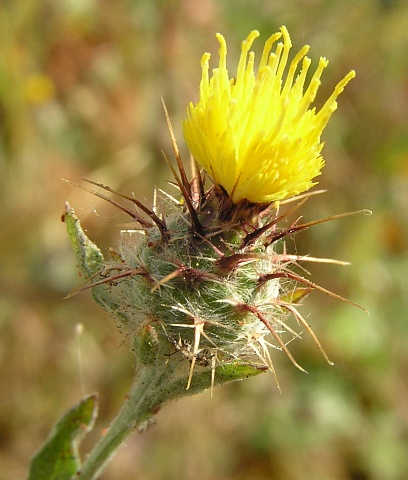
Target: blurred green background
[{"x": 80, "y": 87}]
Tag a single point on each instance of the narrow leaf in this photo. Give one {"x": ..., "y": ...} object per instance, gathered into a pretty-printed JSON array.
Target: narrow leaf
[
  {"x": 58, "y": 458},
  {"x": 89, "y": 258}
]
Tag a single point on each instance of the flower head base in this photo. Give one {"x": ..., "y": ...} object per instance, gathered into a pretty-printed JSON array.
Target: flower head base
[{"x": 256, "y": 134}]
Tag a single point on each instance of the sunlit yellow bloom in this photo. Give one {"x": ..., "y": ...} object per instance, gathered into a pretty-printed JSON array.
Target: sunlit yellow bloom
[{"x": 256, "y": 134}]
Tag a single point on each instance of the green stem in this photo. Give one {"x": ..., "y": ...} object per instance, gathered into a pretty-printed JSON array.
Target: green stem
[{"x": 143, "y": 401}]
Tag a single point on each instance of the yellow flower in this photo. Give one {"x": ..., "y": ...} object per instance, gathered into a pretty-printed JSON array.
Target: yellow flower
[{"x": 256, "y": 134}]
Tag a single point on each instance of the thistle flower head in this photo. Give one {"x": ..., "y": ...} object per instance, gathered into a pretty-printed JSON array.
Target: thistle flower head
[
  {"x": 256, "y": 134},
  {"x": 204, "y": 286}
]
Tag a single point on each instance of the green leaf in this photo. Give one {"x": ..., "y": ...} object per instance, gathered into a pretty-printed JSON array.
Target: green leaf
[
  {"x": 58, "y": 458},
  {"x": 89, "y": 258},
  {"x": 202, "y": 380},
  {"x": 90, "y": 262}
]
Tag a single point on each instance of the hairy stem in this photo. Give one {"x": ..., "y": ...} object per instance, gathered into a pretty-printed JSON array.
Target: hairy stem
[{"x": 143, "y": 401}]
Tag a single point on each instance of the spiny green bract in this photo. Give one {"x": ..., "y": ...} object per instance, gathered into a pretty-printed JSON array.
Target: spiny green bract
[
  {"x": 201, "y": 285},
  {"x": 179, "y": 288}
]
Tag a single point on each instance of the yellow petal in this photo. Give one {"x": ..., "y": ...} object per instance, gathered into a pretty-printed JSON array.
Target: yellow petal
[{"x": 256, "y": 134}]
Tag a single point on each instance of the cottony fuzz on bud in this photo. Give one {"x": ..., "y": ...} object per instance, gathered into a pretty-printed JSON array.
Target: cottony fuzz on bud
[{"x": 202, "y": 285}]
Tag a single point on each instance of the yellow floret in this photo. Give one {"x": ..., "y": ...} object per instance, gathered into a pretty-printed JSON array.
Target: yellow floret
[{"x": 256, "y": 134}]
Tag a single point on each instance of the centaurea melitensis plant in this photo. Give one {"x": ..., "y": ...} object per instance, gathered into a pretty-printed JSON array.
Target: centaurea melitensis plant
[{"x": 203, "y": 286}]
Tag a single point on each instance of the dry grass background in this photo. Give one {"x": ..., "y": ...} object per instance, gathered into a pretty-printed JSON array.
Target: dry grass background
[{"x": 80, "y": 87}]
